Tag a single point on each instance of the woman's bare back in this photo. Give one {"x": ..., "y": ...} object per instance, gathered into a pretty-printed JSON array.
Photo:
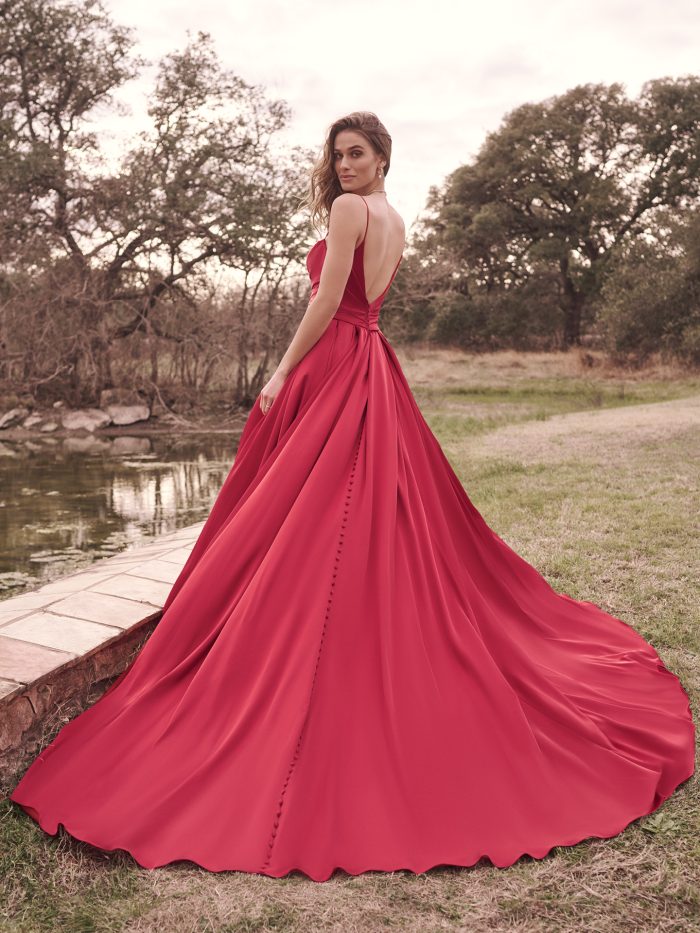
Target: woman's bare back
[{"x": 384, "y": 241}]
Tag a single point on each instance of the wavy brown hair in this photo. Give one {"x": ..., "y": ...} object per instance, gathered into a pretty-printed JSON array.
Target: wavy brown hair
[{"x": 324, "y": 186}]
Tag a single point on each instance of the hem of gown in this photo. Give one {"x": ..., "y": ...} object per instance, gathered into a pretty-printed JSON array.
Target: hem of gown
[{"x": 536, "y": 852}]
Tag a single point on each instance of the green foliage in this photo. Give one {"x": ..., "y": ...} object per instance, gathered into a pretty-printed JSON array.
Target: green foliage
[
  {"x": 555, "y": 192},
  {"x": 651, "y": 297},
  {"x": 526, "y": 317}
]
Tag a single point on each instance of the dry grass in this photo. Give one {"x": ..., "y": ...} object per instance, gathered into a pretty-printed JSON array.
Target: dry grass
[
  {"x": 605, "y": 504},
  {"x": 444, "y": 366}
]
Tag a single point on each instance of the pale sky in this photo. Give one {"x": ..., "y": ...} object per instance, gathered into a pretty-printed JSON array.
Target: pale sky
[{"x": 440, "y": 74}]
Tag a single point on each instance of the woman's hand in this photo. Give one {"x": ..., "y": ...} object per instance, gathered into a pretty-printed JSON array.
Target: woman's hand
[{"x": 270, "y": 390}]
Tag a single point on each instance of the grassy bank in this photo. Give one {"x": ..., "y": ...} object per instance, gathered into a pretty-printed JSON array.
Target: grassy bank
[
  {"x": 593, "y": 478},
  {"x": 465, "y": 392}
]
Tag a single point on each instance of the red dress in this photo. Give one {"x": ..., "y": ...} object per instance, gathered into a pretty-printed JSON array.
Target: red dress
[{"x": 354, "y": 671}]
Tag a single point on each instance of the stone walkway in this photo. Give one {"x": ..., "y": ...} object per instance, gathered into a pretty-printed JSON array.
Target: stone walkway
[
  {"x": 604, "y": 435},
  {"x": 56, "y": 640}
]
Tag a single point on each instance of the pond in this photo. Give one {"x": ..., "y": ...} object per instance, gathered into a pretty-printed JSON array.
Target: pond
[{"x": 66, "y": 502}]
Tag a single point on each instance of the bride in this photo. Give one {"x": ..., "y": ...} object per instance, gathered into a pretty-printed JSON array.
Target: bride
[{"x": 353, "y": 670}]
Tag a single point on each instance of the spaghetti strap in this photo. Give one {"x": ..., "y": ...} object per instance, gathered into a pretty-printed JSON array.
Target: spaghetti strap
[{"x": 367, "y": 224}]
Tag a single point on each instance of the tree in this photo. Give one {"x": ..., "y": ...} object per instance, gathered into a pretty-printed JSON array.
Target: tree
[
  {"x": 650, "y": 301},
  {"x": 557, "y": 189},
  {"x": 107, "y": 252}
]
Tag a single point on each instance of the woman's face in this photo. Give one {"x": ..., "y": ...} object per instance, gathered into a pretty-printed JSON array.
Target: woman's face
[{"x": 355, "y": 161}]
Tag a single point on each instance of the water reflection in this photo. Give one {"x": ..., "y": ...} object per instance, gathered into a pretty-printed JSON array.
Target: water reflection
[{"x": 67, "y": 502}]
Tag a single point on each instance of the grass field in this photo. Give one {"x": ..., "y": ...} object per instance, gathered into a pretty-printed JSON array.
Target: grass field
[{"x": 592, "y": 476}]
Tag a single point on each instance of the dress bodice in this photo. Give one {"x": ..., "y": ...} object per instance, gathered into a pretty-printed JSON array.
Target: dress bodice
[{"x": 354, "y": 306}]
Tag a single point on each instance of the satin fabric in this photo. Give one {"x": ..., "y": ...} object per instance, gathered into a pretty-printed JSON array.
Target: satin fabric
[{"x": 354, "y": 671}]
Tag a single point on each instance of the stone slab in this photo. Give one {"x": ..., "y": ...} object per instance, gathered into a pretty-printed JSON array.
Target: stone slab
[
  {"x": 152, "y": 592},
  {"x": 156, "y": 570},
  {"x": 75, "y": 636},
  {"x": 11, "y": 615},
  {"x": 27, "y": 601},
  {"x": 76, "y": 581},
  {"x": 7, "y": 687},
  {"x": 178, "y": 556},
  {"x": 99, "y": 607},
  {"x": 24, "y": 663}
]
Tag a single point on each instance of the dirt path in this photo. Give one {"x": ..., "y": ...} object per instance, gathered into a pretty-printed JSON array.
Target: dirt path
[{"x": 600, "y": 435}]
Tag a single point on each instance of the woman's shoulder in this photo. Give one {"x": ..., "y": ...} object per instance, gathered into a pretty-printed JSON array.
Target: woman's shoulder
[{"x": 347, "y": 202}]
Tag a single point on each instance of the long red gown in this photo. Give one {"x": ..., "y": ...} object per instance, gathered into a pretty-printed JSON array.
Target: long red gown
[{"x": 354, "y": 671}]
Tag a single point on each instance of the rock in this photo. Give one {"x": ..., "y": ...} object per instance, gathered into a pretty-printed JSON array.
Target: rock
[
  {"x": 85, "y": 418},
  {"x": 13, "y": 416},
  {"x": 32, "y": 420},
  {"x": 49, "y": 426},
  {"x": 128, "y": 414},
  {"x": 120, "y": 396},
  {"x": 125, "y": 406},
  {"x": 59, "y": 404}
]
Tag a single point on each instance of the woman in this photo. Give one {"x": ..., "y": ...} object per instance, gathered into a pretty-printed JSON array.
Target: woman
[{"x": 352, "y": 669}]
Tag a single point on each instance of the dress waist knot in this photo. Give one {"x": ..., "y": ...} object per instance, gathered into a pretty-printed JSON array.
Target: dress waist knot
[{"x": 351, "y": 318}]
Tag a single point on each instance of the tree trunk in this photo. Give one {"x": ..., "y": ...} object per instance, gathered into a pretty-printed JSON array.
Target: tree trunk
[{"x": 572, "y": 306}]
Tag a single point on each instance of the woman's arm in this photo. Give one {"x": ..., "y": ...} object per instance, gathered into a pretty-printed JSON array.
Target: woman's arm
[{"x": 346, "y": 225}]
